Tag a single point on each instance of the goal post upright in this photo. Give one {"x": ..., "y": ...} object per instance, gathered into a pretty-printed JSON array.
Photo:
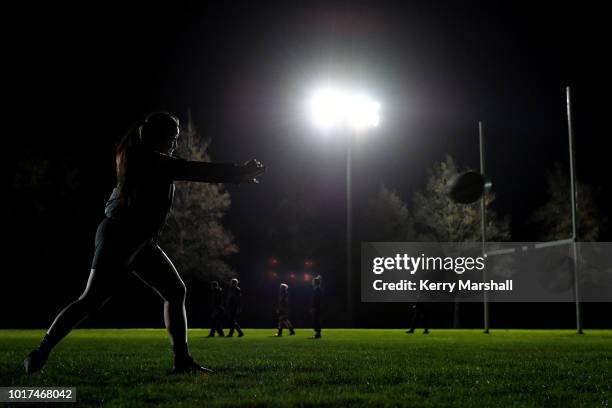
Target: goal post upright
[
  {"x": 483, "y": 223},
  {"x": 572, "y": 165}
]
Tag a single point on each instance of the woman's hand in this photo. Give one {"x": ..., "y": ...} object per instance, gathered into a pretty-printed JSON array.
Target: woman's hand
[{"x": 252, "y": 169}]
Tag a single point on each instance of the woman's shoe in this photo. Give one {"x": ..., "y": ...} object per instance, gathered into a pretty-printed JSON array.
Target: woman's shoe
[
  {"x": 188, "y": 365},
  {"x": 35, "y": 361}
]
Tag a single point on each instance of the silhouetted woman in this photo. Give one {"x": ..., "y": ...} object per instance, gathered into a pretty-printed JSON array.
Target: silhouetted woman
[{"x": 126, "y": 240}]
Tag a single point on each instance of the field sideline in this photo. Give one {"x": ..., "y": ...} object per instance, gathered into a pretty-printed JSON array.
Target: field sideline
[{"x": 347, "y": 367}]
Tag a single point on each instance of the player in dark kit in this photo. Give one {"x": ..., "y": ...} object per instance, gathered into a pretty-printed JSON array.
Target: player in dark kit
[
  {"x": 317, "y": 298},
  {"x": 234, "y": 307},
  {"x": 216, "y": 295},
  {"x": 283, "y": 311},
  {"x": 419, "y": 310},
  {"x": 126, "y": 240}
]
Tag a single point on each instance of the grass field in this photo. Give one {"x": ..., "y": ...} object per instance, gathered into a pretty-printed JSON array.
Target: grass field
[{"x": 346, "y": 368}]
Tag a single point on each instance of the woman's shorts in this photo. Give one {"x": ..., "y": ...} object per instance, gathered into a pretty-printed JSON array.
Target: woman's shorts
[{"x": 118, "y": 242}]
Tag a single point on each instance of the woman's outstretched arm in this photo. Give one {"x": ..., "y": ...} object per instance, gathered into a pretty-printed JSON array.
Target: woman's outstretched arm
[{"x": 184, "y": 170}]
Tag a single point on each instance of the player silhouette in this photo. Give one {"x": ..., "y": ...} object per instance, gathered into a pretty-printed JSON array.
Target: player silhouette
[
  {"x": 216, "y": 317},
  {"x": 126, "y": 240},
  {"x": 317, "y": 300},
  {"x": 234, "y": 307},
  {"x": 419, "y": 311},
  {"x": 283, "y": 311}
]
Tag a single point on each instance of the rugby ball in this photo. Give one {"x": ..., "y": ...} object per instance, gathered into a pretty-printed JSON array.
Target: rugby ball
[{"x": 466, "y": 187}]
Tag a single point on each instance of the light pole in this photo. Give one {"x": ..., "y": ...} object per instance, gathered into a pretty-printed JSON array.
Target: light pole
[{"x": 354, "y": 112}]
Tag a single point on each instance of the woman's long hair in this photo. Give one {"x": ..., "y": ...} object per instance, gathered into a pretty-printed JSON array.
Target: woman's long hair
[{"x": 154, "y": 127}]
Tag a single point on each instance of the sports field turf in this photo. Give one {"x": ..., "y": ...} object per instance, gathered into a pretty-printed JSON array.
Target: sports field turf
[{"x": 346, "y": 368}]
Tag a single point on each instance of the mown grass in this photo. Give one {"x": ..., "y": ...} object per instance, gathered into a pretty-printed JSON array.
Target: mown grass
[{"x": 128, "y": 368}]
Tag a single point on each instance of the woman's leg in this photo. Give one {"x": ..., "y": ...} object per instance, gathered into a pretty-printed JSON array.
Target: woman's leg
[
  {"x": 113, "y": 250},
  {"x": 155, "y": 269},
  {"x": 99, "y": 289}
]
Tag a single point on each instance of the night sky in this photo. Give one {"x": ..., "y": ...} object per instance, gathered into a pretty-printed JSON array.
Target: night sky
[{"x": 77, "y": 76}]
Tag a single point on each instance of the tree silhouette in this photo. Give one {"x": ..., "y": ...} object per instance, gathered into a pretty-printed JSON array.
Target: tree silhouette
[
  {"x": 554, "y": 218},
  {"x": 195, "y": 236},
  {"x": 387, "y": 218}
]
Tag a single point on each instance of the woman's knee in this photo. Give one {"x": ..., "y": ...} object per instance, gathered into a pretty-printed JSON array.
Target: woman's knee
[
  {"x": 96, "y": 293},
  {"x": 98, "y": 289},
  {"x": 92, "y": 301}
]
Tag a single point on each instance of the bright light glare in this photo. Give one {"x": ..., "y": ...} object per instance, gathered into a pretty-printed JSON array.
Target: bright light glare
[{"x": 331, "y": 108}]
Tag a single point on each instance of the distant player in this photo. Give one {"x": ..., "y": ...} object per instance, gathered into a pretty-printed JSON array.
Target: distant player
[
  {"x": 283, "y": 311},
  {"x": 234, "y": 307},
  {"x": 216, "y": 295},
  {"x": 419, "y": 311},
  {"x": 317, "y": 297}
]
